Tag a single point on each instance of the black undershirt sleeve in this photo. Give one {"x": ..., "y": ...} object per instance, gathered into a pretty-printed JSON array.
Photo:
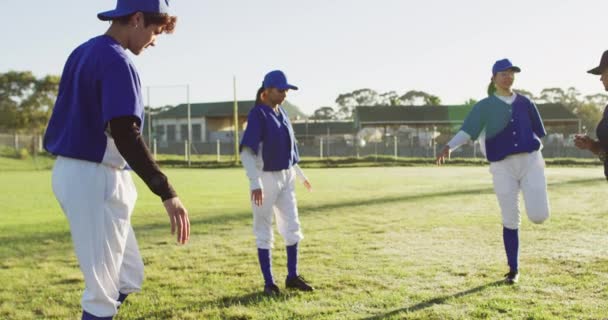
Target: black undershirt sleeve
[{"x": 127, "y": 136}]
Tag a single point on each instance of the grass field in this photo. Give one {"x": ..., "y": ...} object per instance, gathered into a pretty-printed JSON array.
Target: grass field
[{"x": 381, "y": 243}]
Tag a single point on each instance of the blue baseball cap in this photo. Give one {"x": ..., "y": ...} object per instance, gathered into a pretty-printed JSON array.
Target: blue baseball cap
[
  {"x": 277, "y": 79},
  {"x": 502, "y": 65},
  {"x": 127, "y": 7}
]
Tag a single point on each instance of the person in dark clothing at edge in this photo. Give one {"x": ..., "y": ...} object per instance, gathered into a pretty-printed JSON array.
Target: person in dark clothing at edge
[{"x": 598, "y": 147}]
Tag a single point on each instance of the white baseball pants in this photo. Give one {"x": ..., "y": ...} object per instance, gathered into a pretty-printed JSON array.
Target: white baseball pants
[
  {"x": 525, "y": 172},
  {"x": 98, "y": 201},
  {"x": 278, "y": 189}
]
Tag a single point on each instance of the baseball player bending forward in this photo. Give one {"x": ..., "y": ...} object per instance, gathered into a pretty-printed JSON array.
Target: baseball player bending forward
[{"x": 95, "y": 132}]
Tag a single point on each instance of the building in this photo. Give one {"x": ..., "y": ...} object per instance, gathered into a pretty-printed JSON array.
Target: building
[
  {"x": 313, "y": 131},
  {"x": 211, "y": 122},
  {"x": 417, "y": 121}
]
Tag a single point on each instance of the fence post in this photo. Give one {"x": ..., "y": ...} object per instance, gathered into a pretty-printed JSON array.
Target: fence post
[
  {"x": 376, "y": 152},
  {"x": 186, "y": 150},
  {"x": 321, "y": 148},
  {"x": 395, "y": 140},
  {"x": 40, "y": 147},
  {"x": 16, "y": 142},
  {"x": 474, "y": 150},
  {"x": 217, "y": 149},
  {"x": 154, "y": 148}
]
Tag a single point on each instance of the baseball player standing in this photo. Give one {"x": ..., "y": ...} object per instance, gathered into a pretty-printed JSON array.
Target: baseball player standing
[
  {"x": 270, "y": 157},
  {"x": 95, "y": 131},
  {"x": 598, "y": 147},
  {"x": 509, "y": 128}
]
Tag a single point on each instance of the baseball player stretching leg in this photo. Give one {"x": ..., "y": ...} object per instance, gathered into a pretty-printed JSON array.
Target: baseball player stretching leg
[
  {"x": 95, "y": 131},
  {"x": 270, "y": 155},
  {"x": 509, "y": 128}
]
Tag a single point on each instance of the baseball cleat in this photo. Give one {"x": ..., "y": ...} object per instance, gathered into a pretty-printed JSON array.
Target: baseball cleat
[
  {"x": 299, "y": 283},
  {"x": 272, "y": 290},
  {"x": 511, "y": 277}
]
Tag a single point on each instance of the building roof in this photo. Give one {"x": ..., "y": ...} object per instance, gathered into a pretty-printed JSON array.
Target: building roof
[
  {"x": 318, "y": 128},
  {"x": 221, "y": 109},
  {"x": 444, "y": 114}
]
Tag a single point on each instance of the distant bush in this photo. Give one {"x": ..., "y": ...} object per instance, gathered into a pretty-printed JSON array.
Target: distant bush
[{"x": 23, "y": 154}]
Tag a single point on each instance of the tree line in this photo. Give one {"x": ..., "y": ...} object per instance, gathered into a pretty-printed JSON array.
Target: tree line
[
  {"x": 587, "y": 107},
  {"x": 26, "y": 102}
]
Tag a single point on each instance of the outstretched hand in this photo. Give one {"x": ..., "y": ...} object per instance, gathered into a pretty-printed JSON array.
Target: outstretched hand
[
  {"x": 178, "y": 215},
  {"x": 443, "y": 156},
  {"x": 584, "y": 142}
]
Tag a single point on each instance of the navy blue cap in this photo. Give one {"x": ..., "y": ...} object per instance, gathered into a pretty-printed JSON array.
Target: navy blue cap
[
  {"x": 277, "y": 79},
  {"x": 603, "y": 65},
  {"x": 127, "y": 7},
  {"x": 502, "y": 65}
]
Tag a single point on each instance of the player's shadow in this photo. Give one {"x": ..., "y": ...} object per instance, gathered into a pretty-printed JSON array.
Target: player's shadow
[
  {"x": 435, "y": 301},
  {"x": 250, "y": 299}
]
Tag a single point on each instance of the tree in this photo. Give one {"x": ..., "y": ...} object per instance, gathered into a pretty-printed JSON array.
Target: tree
[
  {"x": 25, "y": 101},
  {"x": 470, "y": 102},
  {"x": 324, "y": 113},
  {"x": 590, "y": 115},
  {"x": 390, "y": 98},
  {"x": 552, "y": 95},
  {"x": 417, "y": 98},
  {"x": 347, "y": 102},
  {"x": 599, "y": 99}
]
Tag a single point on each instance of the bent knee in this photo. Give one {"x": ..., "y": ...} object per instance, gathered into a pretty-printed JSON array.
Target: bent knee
[{"x": 539, "y": 218}]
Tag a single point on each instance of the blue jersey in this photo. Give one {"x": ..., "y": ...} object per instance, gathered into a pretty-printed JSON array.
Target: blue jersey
[
  {"x": 274, "y": 130},
  {"x": 509, "y": 128},
  {"x": 99, "y": 83}
]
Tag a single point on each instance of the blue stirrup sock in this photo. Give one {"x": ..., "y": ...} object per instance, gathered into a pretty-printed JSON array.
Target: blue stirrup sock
[
  {"x": 292, "y": 261},
  {"x": 122, "y": 297},
  {"x": 266, "y": 265},
  {"x": 511, "y": 240}
]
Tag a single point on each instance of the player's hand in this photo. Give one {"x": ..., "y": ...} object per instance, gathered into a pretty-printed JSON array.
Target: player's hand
[
  {"x": 178, "y": 215},
  {"x": 443, "y": 155},
  {"x": 257, "y": 197},
  {"x": 308, "y": 185},
  {"x": 583, "y": 142}
]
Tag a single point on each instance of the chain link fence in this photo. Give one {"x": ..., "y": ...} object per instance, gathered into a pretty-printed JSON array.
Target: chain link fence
[{"x": 320, "y": 148}]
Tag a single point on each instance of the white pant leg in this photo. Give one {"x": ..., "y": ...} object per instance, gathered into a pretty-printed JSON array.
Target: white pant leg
[
  {"x": 286, "y": 210},
  {"x": 534, "y": 187},
  {"x": 132, "y": 268},
  {"x": 98, "y": 202},
  {"x": 262, "y": 216},
  {"x": 506, "y": 187}
]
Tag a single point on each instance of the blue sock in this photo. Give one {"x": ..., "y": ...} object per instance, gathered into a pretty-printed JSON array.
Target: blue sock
[
  {"x": 265, "y": 265},
  {"x": 122, "y": 297},
  {"x": 511, "y": 240},
  {"x": 88, "y": 316},
  {"x": 292, "y": 261}
]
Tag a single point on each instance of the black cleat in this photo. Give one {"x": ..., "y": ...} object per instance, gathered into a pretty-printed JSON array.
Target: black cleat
[
  {"x": 272, "y": 290},
  {"x": 299, "y": 283},
  {"x": 511, "y": 277}
]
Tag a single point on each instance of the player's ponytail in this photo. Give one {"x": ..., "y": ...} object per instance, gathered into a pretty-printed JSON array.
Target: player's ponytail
[
  {"x": 258, "y": 96},
  {"x": 491, "y": 89}
]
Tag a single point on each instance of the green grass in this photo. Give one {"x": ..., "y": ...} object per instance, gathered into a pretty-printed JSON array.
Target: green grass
[{"x": 381, "y": 243}]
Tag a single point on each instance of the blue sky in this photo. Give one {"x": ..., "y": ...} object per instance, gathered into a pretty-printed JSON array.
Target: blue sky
[{"x": 328, "y": 47}]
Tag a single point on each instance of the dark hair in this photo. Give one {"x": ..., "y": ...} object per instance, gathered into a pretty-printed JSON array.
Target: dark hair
[
  {"x": 160, "y": 19},
  {"x": 258, "y": 96},
  {"x": 491, "y": 89}
]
